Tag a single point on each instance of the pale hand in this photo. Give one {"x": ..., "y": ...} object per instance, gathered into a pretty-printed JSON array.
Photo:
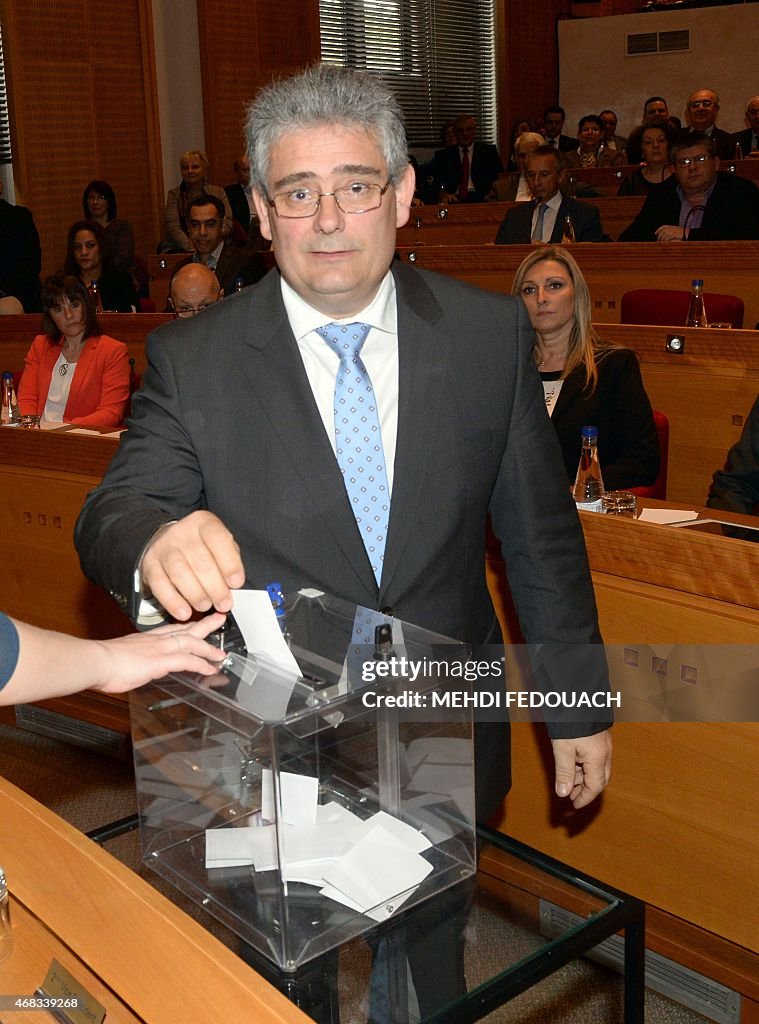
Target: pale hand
[
  {"x": 669, "y": 233},
  {"x": 583, "y": 766},
  {"x": 133, "y": 660},
  {"x": 193, "y": 563}
]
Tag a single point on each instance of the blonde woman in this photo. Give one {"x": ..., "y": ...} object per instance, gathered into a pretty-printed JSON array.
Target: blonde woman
[
  {"x": 586, "y": 382},
  {"x": 193, "y": 166}
]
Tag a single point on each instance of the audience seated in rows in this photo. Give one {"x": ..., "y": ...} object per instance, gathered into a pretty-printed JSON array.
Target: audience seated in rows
[
  {"x": 701, "y": 110},
  {"x": 88, "y": 257},
  {"x": 20, "y": 255},
  {"x": 699, "y": 202},
  {"x": 585, "y": 381},
  {"x": 655, "y": 114},
  {"x": 193, "y": 167},
  {"x": 73, "y": 373},
  {"x": 235, "y": 267},
  {"x": 543, "y": 220},
  {"x": 193, "y": 288},
  {"x": 523, "y": 126}
]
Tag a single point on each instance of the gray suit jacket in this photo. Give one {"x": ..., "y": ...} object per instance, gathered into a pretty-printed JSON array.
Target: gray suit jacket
[{"x": 234, "y": 428}]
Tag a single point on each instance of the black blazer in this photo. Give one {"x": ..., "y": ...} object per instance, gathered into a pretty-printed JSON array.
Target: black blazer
[
  {"x": 743, "y": 139},
  {"x": 485, "y": 167},
  {"x": 239, "y": 204},
  {"x": 226, "y": 420},
  {"x": 736, "y": 487},
  {"x": 235, "y": 262},
  {"x": 117, "y": 291},
  {"x": 20, "y": 256},
  {"x": 731, "y": 213},
  {"x": 628, "y": 445},
  {"x": 516, "y": 226}
]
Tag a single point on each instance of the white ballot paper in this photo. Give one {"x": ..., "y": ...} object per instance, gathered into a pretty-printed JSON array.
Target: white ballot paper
[
  {"x": 300, "y": 795},
  {"x": 666, "y": 516},
  {"x": 260, "y": 630}
]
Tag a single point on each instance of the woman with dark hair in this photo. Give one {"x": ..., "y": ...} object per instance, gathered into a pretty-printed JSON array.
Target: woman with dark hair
[
  {"x": 88, "y": 257},
  {"x": 99, "y": 205},
  {"x": 592, "y": 152},
  {"x": 73, "y": 373},
  {"x": 585, "y": 381},
  {"x": 655, "y": 140}
]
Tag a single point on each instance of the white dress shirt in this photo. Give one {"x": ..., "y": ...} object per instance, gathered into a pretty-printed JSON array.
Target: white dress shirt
[{"x": 379, "y": 354}]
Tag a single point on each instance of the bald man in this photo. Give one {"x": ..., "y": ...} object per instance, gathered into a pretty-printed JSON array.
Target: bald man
[
  {"x": 748, "y": 140},
  {"x": 193, "y": 288}
]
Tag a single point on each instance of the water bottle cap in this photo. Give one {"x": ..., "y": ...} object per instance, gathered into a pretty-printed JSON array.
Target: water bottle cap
[
  {"x": 698, "y": 282},
  {"x": 590, "y": 431},
  {"x": 8, "y": 375}
]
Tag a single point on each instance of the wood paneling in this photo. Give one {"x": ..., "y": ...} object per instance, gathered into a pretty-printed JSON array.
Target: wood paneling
[
  {"x": 83, "y": 106},
  {"x": 243, "y": 45}
]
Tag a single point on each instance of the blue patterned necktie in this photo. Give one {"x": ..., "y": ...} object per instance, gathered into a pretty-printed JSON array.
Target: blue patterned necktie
[
  {"x": 537, "y": 235},
  {"x": 358, "y": 440}
]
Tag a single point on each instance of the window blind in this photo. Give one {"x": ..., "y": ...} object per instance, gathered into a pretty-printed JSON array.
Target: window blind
[
  {"x": 5, "y": 128},
  {"x": 438, "y": 57}
]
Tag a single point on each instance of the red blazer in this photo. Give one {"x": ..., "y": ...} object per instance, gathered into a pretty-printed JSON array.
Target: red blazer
[{"x": 99, "y": 388}]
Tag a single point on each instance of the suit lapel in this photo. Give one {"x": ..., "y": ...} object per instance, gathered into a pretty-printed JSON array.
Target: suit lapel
[
  {"x": 571, "y": 387},
  {"x": 276, "y": 373},
  {"x": 422, "y": 353}
]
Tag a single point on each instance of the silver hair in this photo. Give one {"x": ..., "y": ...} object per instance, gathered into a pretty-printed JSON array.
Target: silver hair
[{"x": 324, "y": 95}]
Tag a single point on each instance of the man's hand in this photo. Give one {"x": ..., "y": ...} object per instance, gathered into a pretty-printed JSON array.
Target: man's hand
[
  {"x": 669, "y": 233},
  {"x": 583, "y": 766},
  {"x": 193, "y": 564}
]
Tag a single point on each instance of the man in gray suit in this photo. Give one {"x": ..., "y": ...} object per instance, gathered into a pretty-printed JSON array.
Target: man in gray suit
[{"x": 230, "y": 470}]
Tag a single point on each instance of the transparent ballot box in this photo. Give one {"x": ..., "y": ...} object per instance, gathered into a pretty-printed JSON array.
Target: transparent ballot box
[{"x": 305, "y": 807}]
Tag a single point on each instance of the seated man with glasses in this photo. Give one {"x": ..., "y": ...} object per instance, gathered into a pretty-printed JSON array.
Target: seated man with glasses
[
  {"x": 192, "y": 289},
  {"x": 699, "y": 202}
]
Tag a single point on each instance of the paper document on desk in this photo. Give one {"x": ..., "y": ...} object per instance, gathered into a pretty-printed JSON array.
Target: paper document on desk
[{"x": 666, "y": 516}]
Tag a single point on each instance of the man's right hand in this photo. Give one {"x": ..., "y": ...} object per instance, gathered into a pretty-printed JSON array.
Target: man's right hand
[{"x": 192, "y": 564}]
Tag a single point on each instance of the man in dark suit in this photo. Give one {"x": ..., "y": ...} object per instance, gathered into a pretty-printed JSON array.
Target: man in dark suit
[
  {"x": 698, "y": 202},
  {"x": 748, "y": 140},
  {"x": 20, "y": 256},
  {"x": 238, "y": 192},
  {"x": 234, "y": 267},
  {"x": 544, "y": 219},
  {"x": 553, "y": 124},
  {"x": 479, "y": 159},
  {"x": 702, "y": 109},
  {"x": 230, "y": 470}
]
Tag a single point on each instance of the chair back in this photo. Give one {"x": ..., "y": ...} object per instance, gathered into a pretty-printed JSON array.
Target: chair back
[
  {"x": 658, "y": 489},
  {"x": 670, "y": 308}
]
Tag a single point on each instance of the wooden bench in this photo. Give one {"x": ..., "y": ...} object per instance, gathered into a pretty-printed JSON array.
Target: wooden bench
[
  {"x": 611, "y": 270},
  {"x": 477, "y": 223},
  {"x": 17, "y": 332}
]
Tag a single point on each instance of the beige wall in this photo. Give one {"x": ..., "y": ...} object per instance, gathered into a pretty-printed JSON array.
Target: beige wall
[{"x": 595, "y": 73}]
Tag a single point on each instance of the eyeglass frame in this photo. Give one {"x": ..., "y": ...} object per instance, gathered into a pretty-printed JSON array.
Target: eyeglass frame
[
  {"x": 694, "y": 104},
  {"x": 686, "y": 161},
  {"x": 321, "y": 195},
  {"x": 184, "y": 314}
]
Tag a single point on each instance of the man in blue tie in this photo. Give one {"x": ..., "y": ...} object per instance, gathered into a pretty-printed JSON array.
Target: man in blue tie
[
  {"x": 348, "y": 424},
  {"x": 234, "y": 467}
]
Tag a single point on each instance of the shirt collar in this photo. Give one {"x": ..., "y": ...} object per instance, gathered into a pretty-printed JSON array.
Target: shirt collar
[{"x": 381, "y": 313}]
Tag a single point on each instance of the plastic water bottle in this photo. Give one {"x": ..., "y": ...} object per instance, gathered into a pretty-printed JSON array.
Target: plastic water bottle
[
  {"x": 9, "y": 411},
  {"x": 94, "y": 291},
  {"x": 568, "y": 232},
  {"x": 696, "y": 311},
  {"x": 588, "y": 490},
  {"x": 239, "y": 284}
]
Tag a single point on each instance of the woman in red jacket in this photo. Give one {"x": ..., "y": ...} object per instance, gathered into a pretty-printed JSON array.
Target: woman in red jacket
[{"x": 73, "y": 373}]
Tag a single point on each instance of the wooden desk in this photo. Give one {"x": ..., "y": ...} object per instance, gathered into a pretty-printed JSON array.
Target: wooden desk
[
  {"x": 477, "y": 223},
  {"x": 611, "y": 270},
  {"x": 678, "y": 825},
  {"x": 134, "y": 951},
  {"x": 706, "y": 392}
]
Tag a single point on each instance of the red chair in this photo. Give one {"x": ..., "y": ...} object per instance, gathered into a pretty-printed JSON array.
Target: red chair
[
  {"x": 146, "y": 305},
  {"x": 658, "y": 489},
  {"x": 662, "y": 306}
]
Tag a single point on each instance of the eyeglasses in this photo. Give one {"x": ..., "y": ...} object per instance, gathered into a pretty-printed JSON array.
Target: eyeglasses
[
  {"x": 97, "y": 195},
  {"x": 187, "y": 311},
  {"x": 358, "y": 197},
  {"x": 701, "y": 103},
  {"x": 686, "y": 161}
]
